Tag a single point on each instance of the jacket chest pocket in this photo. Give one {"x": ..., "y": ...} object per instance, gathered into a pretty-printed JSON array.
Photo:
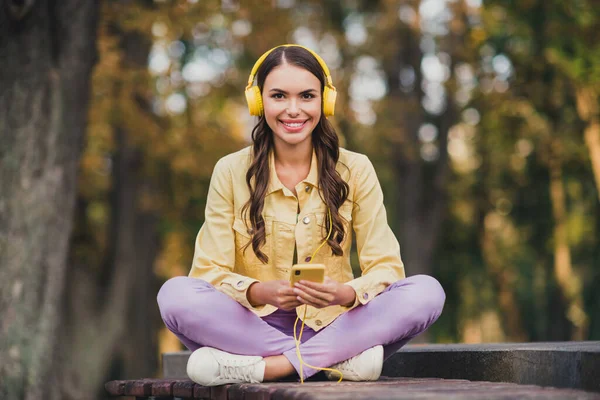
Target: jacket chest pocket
[
  {"x": 244, "y": 255},
  {"x": 322, "y": 227},
  {"x": 333, "y": 263}
]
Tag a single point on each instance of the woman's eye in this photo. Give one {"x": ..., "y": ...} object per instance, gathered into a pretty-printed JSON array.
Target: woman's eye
[{"x": 305, "y": 96}]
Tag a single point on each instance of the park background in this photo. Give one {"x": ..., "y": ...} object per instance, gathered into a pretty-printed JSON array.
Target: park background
[{"x": 482, "y": 119}]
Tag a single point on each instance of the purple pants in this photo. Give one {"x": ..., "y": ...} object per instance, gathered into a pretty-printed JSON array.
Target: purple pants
[{"x": 202, "y": 316}]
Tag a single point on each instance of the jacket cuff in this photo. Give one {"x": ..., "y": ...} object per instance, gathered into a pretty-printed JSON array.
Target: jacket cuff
[
  {"x": 365, "y": 290},
  {"x": 356, "y": 302},
  {"x": 237, "y": 287}
]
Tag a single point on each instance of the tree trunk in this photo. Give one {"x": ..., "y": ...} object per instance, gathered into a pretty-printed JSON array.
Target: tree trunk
[
  {"x": 592, "y": 141},
  {"x": 589, "y": 111},
  {"x": 47, "y": 50},
  {"x": 569, "y": 283},
  {"x": 503, "y": 280}
]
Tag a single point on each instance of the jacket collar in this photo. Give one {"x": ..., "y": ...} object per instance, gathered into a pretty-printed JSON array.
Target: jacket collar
[{"x": 274, "y": 182}]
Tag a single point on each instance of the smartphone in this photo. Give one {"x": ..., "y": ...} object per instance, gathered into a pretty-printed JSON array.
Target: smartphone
[{"x": 307, "y": 272}]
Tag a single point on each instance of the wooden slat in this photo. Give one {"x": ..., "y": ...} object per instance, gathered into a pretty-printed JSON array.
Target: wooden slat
[
  {"x": 164, "y": 387},
  {"x": 219, "y": 392},
  {"x": 138, "y": 388},
  {"x": 238, "y": 392},
  {"x": 184, "y": 389},
  {"x": 258, "y": 393},
  {"x": 115, "y": 388},
  {"x": 202, "y": 392}
]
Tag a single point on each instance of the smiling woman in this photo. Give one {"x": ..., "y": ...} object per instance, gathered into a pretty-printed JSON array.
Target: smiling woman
[{"x": 294, "y": 195}]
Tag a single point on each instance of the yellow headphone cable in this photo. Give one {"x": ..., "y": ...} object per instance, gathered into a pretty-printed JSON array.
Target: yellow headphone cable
[{"x": 299, "y": 337}]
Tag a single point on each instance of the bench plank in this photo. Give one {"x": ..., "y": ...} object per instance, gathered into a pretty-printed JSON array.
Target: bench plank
[
  {"x": 138, "y": 388},
  {"x": 164, "y": 387},
  {"x": 115, "y": 388},
  {"x": 201, "y": 392},
  {"x": 218, "y": 392},
  {"x": 184, "y": 389}
]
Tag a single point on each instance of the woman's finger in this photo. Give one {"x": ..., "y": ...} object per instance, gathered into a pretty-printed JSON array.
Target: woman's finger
[
  {"x": 312, "y": 285},
  {"x": 289, "y": 302},
  {"x": 315, "y": 293},
  {"x": 286, "y": 291},
  {"x": 288, "y": 299},
  {"x": 311, "y": 300},
  {"x": 310, "y": 303},
  {"x": 290, "y": 306}
]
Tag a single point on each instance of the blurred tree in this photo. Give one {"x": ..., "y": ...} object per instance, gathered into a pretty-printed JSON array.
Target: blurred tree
[{"x": 47, "y": 51}]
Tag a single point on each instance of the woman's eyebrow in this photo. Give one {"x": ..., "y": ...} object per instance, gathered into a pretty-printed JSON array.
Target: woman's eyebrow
[{"x": 284, "y": 92}]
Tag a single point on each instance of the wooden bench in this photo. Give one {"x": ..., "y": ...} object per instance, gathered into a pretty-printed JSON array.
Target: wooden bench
[
  {"x": 164, "y": 389},
  {"x": 385, "y": 388}
]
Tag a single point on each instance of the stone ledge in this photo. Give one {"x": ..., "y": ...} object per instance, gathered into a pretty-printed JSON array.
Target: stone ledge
[{"x": 558, "y": 364}]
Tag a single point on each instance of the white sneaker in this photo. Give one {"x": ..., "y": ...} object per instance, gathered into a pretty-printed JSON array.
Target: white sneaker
[
  {"x": 365, "y": 366},
  {"x": 212, "y": 367}
]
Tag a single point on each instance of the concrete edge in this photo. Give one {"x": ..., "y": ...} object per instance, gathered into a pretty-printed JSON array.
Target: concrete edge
[{"x": 573, "y": 365}]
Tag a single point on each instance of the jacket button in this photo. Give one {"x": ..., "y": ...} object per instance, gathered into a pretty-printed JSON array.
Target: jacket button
[
  {"x": 307, "y": 189},
  {"x": 318, "y": 322},
  {"x": 306, "y": 220},
  {"x": 366, "y": 296},
  {"x": 307, "y": 259}
]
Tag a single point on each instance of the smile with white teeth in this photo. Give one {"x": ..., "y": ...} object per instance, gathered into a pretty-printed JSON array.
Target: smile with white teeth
[{"x": 293, "y": 125}]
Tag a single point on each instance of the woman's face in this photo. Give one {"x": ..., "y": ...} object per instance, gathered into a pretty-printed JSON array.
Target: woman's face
[{"x": 292, "y": 104}]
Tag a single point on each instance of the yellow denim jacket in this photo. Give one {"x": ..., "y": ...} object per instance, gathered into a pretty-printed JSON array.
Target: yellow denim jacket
[{"x": 220, "y": 260}]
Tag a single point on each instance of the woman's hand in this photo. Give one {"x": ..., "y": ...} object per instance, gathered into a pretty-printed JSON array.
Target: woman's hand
[
  {"x": 328, "y": 293},
  {"x": 277, "y": 293}
]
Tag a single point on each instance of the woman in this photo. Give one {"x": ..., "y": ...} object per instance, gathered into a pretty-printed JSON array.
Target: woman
[{"x": 270, "y": 206}]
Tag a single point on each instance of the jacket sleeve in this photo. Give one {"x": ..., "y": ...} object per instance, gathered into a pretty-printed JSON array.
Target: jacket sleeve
[
  {"x": 378, "y": 248},
  {"x": 214, "y": 254}
]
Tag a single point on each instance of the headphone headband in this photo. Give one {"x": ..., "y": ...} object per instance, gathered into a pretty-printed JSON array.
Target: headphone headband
[
  {"x": 254, "y": 96},
  {"x": 258, "y": 63}
]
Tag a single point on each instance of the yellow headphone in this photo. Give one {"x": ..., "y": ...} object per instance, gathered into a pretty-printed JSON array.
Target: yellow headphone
[{"x": 254, "y": 97}]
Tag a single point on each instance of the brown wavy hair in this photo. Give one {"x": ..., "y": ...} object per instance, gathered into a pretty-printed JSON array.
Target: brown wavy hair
[{"x": 333, "y": 190}]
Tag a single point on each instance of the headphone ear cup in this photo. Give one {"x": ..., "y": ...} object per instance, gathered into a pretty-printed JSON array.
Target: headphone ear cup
[
  {"x": 329, "y": 97},
  {"x": 254, "y": 100}
]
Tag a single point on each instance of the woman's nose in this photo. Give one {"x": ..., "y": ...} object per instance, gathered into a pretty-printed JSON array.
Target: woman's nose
[{"x": 292, "y": 108}]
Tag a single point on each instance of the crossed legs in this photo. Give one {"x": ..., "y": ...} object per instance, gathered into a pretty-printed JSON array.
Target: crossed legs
[{"x": 199, "y": 315}]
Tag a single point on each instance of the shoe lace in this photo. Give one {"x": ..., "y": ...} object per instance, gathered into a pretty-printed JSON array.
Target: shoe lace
[
  {"x": 346, "y": 364},
  {"x": 237, "y": 372}
]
